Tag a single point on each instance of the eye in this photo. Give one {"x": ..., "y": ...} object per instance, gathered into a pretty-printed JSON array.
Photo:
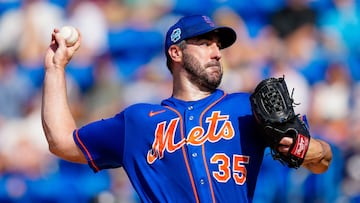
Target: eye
[
  {"x": 204, "y": 43},
  {"x": 208, "y": 43}
]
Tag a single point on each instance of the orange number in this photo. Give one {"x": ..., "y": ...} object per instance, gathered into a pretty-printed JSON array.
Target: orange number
[
  {"x": 239, "y": 169},
  {"x": 223, "y": 161},
  {"x": 224, "y": 167}
]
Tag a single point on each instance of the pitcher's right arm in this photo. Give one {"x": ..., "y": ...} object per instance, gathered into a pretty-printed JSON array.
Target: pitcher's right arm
[{"x": 57, "y": 120}]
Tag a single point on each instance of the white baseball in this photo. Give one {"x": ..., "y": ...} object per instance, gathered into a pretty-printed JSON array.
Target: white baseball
[{"x": 70, "y": 34}]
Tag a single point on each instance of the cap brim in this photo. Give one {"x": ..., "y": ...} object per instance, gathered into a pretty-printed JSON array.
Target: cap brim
[{"x": 227, "y": 36}]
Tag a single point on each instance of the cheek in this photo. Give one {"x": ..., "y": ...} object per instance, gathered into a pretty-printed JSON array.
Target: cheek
[
  {"x": 201, "y": 58},
  {"x": 198, "y": 53}
]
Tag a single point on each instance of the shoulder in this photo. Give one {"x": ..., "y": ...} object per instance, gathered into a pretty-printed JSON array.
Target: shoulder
[
  {"x": 145, "y": 111},
  {"x": 142, "y": 108},
  {"x": 242, "y": 96},
  {"x": 240, "y": 100}
]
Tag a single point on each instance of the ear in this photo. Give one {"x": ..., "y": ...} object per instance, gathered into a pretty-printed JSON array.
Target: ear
[{"x": 175, "y": 53}]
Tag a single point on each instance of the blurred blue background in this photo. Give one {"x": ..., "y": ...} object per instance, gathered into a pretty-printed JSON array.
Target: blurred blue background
[{"x": 314, "y": 43}]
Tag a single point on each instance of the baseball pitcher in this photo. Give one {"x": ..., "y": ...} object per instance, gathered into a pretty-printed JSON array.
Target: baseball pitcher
[{"x": 199, "y": 145}]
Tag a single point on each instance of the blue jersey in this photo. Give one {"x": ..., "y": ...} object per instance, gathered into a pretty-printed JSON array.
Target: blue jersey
[{"x": 181, "y": 151}]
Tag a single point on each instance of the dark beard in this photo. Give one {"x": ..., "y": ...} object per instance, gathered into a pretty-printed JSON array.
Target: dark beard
[{"x": 198, "y": 74}]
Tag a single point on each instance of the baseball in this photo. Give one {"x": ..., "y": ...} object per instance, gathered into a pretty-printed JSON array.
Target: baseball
[{"x": 70, "y": 34}]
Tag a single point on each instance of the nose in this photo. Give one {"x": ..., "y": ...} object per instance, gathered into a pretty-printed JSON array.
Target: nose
[{"x": 215, "y": 51}]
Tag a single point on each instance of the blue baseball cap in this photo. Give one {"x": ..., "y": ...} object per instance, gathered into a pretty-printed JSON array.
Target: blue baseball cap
[{"x": 195, "y": 25}]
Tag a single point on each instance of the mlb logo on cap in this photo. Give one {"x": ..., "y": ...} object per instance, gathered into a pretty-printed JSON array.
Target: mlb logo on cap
[
  {"x": 196, "y": 25},
  {"x": 175, "y": 35}
]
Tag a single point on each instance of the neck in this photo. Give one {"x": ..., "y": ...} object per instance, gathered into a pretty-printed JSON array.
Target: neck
[
  {"x": 187, "y": 91},
  {"x": 190, "y": 95}
]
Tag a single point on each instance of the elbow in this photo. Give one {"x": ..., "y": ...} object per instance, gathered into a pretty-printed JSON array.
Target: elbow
[
  {"x": 55, "y": 146},
  {"x": 54, "y": 150},
  {"x": 68, "y": 152}
]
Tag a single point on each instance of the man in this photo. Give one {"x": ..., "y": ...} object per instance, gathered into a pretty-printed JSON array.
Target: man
[{"x": 199, "y": 145}]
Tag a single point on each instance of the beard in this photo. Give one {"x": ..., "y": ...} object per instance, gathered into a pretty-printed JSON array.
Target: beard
[{"x": 207, "y": 77}]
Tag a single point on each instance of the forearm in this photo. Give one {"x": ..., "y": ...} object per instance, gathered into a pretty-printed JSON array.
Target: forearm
[
  {"x": 318, "y": 157},
  {"x": 56, "y": 115}
]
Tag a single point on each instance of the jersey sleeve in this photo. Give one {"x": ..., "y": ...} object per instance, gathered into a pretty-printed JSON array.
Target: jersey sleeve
[{"x": 102, "y": 142}]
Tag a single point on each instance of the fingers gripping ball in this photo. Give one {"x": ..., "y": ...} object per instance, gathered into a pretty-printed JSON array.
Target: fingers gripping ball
[
  {"x": 273, "y": 110},
  {"x": 70, "y": 35}
]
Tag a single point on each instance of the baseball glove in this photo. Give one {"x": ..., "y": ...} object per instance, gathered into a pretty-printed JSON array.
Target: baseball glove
[{"x": 273, "y": 110}]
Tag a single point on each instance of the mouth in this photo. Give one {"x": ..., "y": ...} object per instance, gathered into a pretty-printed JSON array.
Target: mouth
[{"x": 214, "y": 66}]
